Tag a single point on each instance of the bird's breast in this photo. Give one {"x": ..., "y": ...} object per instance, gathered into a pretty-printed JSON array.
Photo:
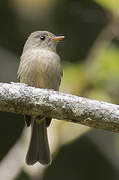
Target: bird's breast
[{"x": 42, "y": 69}]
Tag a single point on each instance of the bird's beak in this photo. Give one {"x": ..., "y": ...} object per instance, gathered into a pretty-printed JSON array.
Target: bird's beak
[{"x": 58, "y": 38}]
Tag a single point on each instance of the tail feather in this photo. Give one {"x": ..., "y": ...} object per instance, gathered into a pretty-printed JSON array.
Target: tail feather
[{"x": 38, "y": 147}]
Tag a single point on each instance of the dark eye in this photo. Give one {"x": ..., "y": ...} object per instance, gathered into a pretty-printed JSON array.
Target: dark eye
[{"x": 42, "y": 37}]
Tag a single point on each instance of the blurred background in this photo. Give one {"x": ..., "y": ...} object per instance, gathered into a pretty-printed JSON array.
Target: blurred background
[{"x": 90, "y": 58}]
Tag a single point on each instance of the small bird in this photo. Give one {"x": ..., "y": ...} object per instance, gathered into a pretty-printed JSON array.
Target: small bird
[{"x": 40, "y": 67}]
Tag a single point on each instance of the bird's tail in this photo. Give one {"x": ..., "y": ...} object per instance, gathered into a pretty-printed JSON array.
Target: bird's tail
[{"x": 38, "y": 147}]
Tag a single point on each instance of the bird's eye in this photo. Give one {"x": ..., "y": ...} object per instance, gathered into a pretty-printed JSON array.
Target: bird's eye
[{"x": 42, "y": 37}]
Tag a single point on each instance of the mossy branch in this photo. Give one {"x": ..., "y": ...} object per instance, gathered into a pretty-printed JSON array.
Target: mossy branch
[{"x": 22, "y": 99}]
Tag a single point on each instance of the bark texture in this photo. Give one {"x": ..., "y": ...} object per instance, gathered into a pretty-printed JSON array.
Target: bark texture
[{"x": 22, "y": 99}]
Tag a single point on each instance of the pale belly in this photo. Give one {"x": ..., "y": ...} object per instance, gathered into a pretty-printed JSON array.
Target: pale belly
[{"x": 43, "y": 72}]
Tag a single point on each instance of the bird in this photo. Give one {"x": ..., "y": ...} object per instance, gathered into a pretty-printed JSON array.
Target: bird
[{"x": 40, "y": 66}]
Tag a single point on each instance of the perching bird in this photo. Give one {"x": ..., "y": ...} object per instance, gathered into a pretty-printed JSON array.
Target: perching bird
[{"x": 40, "y": 67}]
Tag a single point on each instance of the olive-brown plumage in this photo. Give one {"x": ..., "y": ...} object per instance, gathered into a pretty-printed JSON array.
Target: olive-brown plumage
[{"x": 40, "y": 67}]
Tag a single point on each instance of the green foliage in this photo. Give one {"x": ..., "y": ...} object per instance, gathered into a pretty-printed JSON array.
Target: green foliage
[
  {"x": 112, "y": 5},
  {"x": 99, "y": 79}
]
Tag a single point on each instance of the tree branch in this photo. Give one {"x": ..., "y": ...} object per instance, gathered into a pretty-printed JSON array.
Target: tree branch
[{"x": 22, "y": 99}]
